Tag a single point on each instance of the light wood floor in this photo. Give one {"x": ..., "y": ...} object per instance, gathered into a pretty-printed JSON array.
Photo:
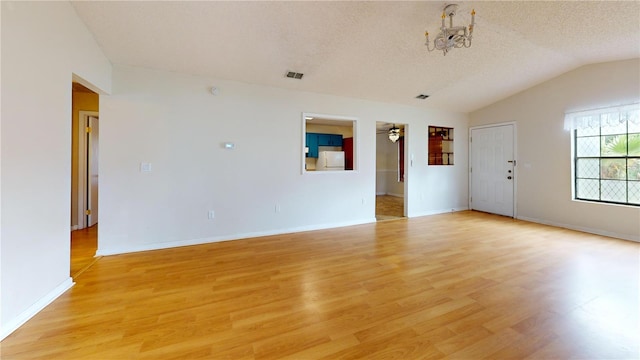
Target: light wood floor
[
  {"x": 83, "y": 249},
  {"x": 463, "y": 285},
  {"x": 389, "y": 207}
]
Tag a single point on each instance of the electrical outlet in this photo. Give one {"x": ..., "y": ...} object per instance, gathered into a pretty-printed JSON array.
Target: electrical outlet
[{"x": 212, "y": 214}]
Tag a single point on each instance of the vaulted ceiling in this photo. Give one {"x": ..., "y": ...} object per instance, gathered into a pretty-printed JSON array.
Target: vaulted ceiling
[{"x": 369, "y": 50}]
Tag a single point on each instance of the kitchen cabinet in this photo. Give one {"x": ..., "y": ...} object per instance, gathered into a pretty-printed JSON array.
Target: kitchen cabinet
[
  {"x": 329, "y": 140},
  {"x": 312, "y": 144},
  {"x": 315, "y": 140}
]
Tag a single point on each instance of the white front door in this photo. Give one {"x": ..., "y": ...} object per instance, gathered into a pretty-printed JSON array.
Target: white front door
[
  {"x": 492, "y": 169},
  {"x": 92, "y": 171}
]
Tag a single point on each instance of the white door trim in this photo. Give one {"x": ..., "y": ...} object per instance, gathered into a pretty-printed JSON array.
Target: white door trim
[
  {"x": 515, "y": 157},
  {"x": 83, "y": 118},
  {"x": 407, "y": 164}
]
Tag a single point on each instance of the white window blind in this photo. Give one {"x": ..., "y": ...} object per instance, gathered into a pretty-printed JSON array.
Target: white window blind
[{"x": 603, "y": 117}]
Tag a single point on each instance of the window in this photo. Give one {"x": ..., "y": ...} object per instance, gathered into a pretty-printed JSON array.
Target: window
[
  {"x": 607, "y": 154},
  {"x": 440, "y": 145}
]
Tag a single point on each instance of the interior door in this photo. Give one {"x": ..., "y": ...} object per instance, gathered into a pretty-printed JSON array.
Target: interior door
[
  {"x": 92, "y": 171},
  {"x": 492, "y": 169}
]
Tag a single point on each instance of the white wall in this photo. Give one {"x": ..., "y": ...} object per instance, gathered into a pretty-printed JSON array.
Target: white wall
[
  {"x": 43, "y": 45},
  {"x": 173, "y": 122},
  {"x": 544, "y": 147},
  {"x": 439, "y": 188}
]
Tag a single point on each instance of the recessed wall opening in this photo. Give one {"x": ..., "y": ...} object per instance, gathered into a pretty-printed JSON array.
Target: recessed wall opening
[
  {"x": 329, "y": 143},
  {"x": 440, "y": 145}
]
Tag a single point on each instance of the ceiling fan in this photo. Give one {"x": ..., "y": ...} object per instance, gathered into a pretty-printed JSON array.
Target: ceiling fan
[
  {"x": 391, "y": 130},
  {"x": 383, "y": 128}
]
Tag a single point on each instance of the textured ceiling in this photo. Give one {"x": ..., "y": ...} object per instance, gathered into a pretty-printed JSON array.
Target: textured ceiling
[{"x": 368, "y": 50}]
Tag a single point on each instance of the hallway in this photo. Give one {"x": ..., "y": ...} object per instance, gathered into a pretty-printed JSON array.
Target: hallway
[
  {"x": 84, "y": 244},
  {"x": 389, "y": 207}
]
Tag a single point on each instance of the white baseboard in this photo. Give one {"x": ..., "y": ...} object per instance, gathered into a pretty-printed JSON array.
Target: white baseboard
[
  {"x": 172, "y": 244},
  {"x": 74, "y": 227},
  {"x": 436, "y": 212},
  {"x": 32, "y": 310},
  {"x": 629, "y": 237}
]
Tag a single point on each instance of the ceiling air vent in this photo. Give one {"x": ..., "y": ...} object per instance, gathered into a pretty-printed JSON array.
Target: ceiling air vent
[
  {"x": 422, "y": 96},
  {"x": 294, "y": 75}
]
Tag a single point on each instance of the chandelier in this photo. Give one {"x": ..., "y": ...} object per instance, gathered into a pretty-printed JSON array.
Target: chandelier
[
  {"x": 394, "y": 134},
  {"x": 452, "y": 36}
]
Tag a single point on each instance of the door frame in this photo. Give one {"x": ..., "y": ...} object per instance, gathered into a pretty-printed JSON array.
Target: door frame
[
  {"x": 83, "y": 119},
  {"x": 515, "y": 157},
  {"x": 408, "y": 163}
]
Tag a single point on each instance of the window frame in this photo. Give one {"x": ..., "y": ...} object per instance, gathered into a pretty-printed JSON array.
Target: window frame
[{"x": 600, "y": 157}]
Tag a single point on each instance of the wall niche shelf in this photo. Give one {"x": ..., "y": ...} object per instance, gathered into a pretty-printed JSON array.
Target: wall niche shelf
[{"x": 440, "y": 145}]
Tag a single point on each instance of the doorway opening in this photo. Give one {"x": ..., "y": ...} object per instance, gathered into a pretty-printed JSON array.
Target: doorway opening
[
  {"x": 390, "y": 171},
  {"x": 84, "y": 177}
]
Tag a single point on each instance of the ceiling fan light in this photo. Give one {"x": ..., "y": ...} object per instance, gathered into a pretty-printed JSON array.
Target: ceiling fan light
[{"x": 394, "y": 134}]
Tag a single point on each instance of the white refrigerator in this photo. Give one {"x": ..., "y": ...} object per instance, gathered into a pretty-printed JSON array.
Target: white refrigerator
[{"x": 330, "y": 160}]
